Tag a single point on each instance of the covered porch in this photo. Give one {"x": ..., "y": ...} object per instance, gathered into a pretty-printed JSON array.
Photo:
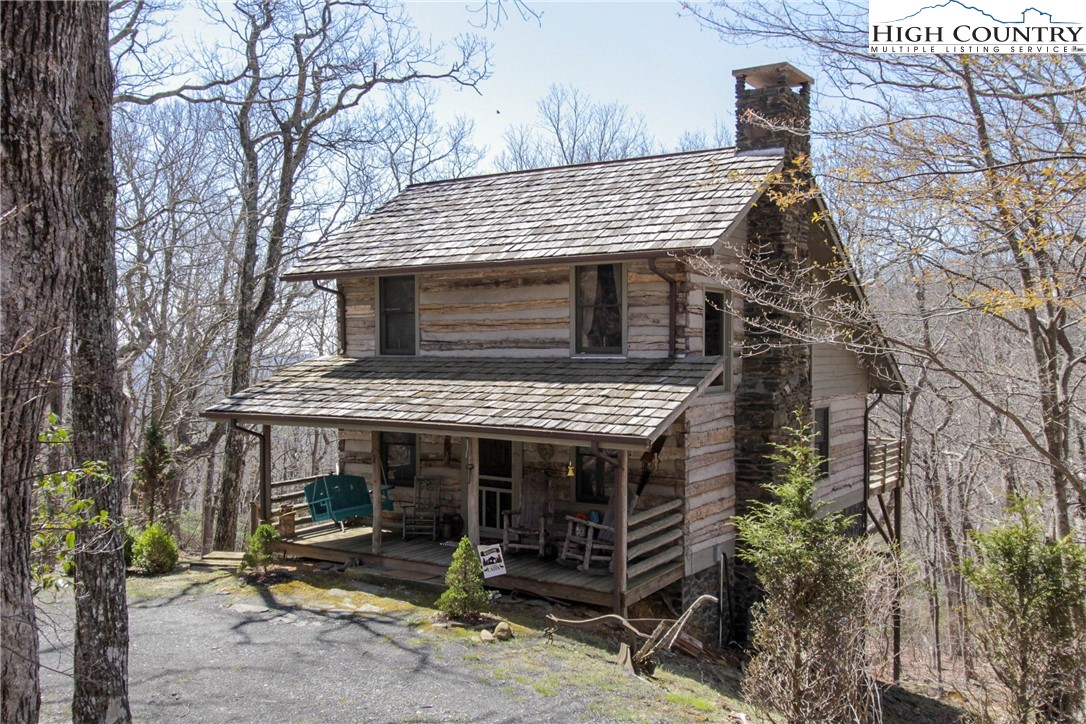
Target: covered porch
[
  {"x": 550, "y": 412},
  {"x": 429, "y": 560}
]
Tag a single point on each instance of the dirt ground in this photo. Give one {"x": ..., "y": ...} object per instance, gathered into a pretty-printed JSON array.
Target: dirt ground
[{"x": 206, "y": 646}]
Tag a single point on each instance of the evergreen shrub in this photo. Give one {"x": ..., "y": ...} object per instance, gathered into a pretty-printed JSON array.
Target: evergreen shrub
[
  {"x": 155, "y": 551},
  {"x": 465, "y": 596}
]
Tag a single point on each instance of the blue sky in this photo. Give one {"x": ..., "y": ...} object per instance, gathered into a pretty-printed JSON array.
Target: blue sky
[
  {"x": 649, "y": 56},
  {"x": 642, "y": 54}
]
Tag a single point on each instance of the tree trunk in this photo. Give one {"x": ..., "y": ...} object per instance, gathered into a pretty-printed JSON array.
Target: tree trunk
[
  {"x": 206, "y": 545},
  {"x": 226, "y": 526},
  {"x": 101, "y": 613},
  {"x": 43, "y": 46}
]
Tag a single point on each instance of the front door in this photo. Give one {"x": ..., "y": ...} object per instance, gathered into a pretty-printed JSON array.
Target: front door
[{"x": 498, "y": 473}]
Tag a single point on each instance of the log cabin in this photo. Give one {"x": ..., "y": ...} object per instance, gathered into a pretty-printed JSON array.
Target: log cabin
[{"x": 541, "y": 330}]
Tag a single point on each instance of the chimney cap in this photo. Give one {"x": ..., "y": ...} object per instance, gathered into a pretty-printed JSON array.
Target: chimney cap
[{"x": 761, "y": 76}]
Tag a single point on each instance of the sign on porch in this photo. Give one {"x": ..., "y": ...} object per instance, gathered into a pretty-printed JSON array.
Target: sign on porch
[{"x": 493, "y": 562}]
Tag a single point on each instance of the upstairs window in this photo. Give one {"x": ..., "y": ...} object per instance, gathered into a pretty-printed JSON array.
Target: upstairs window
[
  {"x": 598, "y": 309},
  {"x": 822, "y": 440},
  {"x": 718, "y": 335},
  {"x": 397, "y": 302}
]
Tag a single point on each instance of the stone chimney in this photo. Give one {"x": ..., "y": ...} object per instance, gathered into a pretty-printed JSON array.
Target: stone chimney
[
  {"x": 768, "y": 113},
  {"x": 776, "y": 372}
]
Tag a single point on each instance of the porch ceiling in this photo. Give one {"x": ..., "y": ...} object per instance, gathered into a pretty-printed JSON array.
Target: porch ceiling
[{"x": 618, "y": 402}]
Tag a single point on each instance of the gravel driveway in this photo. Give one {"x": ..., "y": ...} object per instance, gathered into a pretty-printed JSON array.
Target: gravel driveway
[{"x": 205, "y": 649}]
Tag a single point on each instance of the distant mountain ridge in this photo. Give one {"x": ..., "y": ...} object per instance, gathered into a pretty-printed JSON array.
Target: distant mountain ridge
[{"x": 972, "y": 8}]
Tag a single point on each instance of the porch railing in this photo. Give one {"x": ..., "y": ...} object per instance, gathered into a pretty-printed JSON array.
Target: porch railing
[
  {"x": 884, "y": 465},
  {"x": 290, "y": 492},
  {"x": 654, "y": 538}
]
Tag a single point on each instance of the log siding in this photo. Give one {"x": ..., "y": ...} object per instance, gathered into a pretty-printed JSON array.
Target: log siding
[
  {"x": 840, "y": 383},
  {"x": 709, "y": 462}
]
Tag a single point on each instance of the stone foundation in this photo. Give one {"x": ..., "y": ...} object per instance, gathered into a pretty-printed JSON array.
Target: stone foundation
[
  {"x": 705, "y": 623},
  {"x": 857, "y": 513}
]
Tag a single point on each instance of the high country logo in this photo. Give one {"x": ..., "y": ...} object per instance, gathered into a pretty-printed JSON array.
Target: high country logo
[{"x": 954, "y": 26}]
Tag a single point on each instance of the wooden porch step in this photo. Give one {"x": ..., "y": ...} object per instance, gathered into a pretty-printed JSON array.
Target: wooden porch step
[{"x": 220, "y": 559}]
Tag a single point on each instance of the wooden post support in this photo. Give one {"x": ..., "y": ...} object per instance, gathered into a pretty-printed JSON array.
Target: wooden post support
[
  {"x": 377, "y": 481},
  {"x": 254, "y": 516},
  {"x": 473, "y": 490},
  {"x": 621, "y": 521},
  {"x": 265, "y": 474},
  {"x": 896, "y": 606}
]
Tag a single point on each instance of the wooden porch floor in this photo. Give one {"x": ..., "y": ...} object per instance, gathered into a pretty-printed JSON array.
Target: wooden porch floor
[{"x": 428, "y": 559}]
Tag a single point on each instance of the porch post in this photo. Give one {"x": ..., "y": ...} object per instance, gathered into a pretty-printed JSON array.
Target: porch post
[
  {"x": 265, "y": 474},
  {"x": 376, "y": 483},
  {"x": 473, "y": 490},
  {"x": 895, "y": 606},
  {"x": 618, "y": 600}
]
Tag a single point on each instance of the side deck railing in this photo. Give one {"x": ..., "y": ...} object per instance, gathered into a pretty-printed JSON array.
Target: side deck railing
[{"x": 885, "y": 466}]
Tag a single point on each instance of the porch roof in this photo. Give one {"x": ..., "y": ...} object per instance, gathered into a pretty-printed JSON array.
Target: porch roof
[{"x": 625, "y": 403}]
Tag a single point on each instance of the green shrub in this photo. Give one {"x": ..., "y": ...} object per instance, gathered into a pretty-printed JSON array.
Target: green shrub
[
  {"x": 1028, "y": 618},
  {"x": 465, "y": 596},
  {"x": 261, "y": 545},
  {"x": 155, "y": 550},
  {"x": 809, "y": 630}
]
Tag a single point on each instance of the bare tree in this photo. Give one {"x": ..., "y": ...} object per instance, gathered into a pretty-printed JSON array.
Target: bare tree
[
  {"x": 296, "y": 124},
  {"x": 411, "y": 146},
  {"x": 971, "y": 169},
  {"x": 720, "y": 136},
  {"x": 573, "y": 128},
  {"x": 957, "y": 186},
  {"x": 101, "y": 608},
  {"x": 176, "y": 236},
  {"x": 57, "y": 206}
]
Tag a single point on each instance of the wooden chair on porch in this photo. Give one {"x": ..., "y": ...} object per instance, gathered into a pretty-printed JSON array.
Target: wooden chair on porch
[
  {"x": 526, "y": 528},
  {"x": 588, "y": 542},
  {"x": 421, "y": 516}
]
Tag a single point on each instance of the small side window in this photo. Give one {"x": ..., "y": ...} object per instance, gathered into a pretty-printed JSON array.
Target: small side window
[
  {"x": 822, "y": 439},
  {"x": 718, "y": 335}
]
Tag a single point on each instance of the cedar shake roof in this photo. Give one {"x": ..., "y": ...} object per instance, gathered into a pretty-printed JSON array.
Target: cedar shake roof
[
  {"x": 633, "y": 207},
  {"x": 618, "y": 402}
]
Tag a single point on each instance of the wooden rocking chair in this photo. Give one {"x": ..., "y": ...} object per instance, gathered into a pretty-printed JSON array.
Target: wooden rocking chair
[
  {"x": 526, "y": 529},
  {"x": 421, "y": 516},
  {"x": 587, "y": 542}
]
